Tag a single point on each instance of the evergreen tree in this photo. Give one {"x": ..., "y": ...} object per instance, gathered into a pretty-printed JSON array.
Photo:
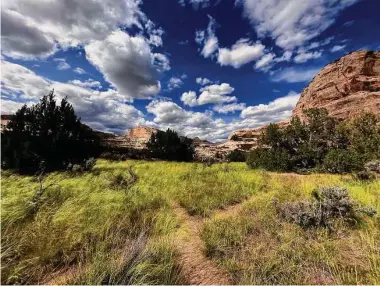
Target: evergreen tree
[
  {"x": 167, "y": 145},
  {"x": 46, "y": 134}
]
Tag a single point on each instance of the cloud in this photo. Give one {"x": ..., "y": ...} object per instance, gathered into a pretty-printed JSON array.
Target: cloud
[
  {"x": 211, "y": 94},
  {"x": 154, "y": 33},
  {"x": 10, "y": 106},
  {"x": 128, "y": 63},
  {"x": 266, "y": 62},
  {"x": 19, "y": 39},
  {"x": 202, "y": 81},
  {"x": 202, "y": 124},
  {"x": 292, "y": 23},
  {"x": 276, "y": 110},
  {"x": 295, "y": 74},
  {"x": 79, "y": 70},
  {"x": 168, "y": 112},
  {"x": 189, "y": 98},
  {"x": 174, "y": 82},
  {"x": 31, "y": 29},
  {"x": 286, "y": 56},
  {"x": 337, "y": 48},
  {"x": 224, "y": 109},
  {"x": 208, "y": 39},
  {"x": 62, "y": 64},
  {"x": 102, "y": 110},
  {"x": 90, "y": 83},
  {"x": 304, "y": 57},
  {"x": 242, "y": 52},
  {"x": 195, "y": 3},
  {"x": 192, "y": 124}
]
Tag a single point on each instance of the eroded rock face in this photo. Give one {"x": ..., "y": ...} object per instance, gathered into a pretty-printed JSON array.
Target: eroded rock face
[
  {"x": 345, "y": 87},
  {"x": 136, "y": 138},
  {"x": 142, "y": 133}
]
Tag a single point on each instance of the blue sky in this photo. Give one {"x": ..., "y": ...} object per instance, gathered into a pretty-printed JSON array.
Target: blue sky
[{"x": 204, "y": 68}]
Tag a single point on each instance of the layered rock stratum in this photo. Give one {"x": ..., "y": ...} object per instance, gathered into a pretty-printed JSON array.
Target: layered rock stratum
[{"x": 345, "y": 88}]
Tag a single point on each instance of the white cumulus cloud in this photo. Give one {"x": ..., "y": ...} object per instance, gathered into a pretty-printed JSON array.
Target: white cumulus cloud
[
  {"x": 242, "y": 52},
  {"x": 292, "y": 23},
  {"x": 128, "y": 63}
]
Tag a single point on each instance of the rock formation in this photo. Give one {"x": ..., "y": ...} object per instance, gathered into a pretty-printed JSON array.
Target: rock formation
[
  {"x": 136, "y": 138},
  {"x": 345, "y": 88}
]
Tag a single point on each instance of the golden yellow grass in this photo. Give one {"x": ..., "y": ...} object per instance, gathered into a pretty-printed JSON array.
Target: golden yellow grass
[{"x": 87, "y": 230}]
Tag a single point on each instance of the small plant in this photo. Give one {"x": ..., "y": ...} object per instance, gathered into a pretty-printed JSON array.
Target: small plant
[
  {"x": 208, "y": 161},
  {"x": 119, "y": 181},
  {"x": 328, "y": 204},
  {"x": 373, "y": 166},
  {"x": 236, "y": 156},
  {"x": 37, "y": 198},
  {"x": 85, "y": 166},
  {"x": 365, "y": 176},
  {"x": 89, "y": 164}
]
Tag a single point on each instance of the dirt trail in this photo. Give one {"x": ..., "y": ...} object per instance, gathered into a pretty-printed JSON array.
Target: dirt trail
[
  {"x": 231, "y": 210},
  {"x": 195, "y": 266}
]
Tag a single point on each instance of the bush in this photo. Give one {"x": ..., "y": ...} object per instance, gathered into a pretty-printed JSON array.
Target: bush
[
  {"x": 319, "y": 141},
  {"x": 365, "y": 176},
  {"x": 236, "y": 156},
  {"x": 328, "y": 204},
  {"x": 373, "y": 166},
  {"x": 85, "y": 166},
  {"x": 342, "y": 161},
  {"x": 269, "y": 159},
  {"x": 167, "y": 145}
]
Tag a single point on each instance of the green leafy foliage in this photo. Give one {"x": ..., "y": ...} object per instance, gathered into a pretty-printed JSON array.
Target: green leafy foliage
[
  {"x": 46, "y": 135},
  {"x": 167, "y": 145},
  {"x": 319, "y": 141},
  {"x": 341, "y": 161},
  {"x": 236, "y": 156}
]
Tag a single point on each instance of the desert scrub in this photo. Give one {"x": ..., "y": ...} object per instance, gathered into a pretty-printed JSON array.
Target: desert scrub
[
  {"x": 329, "y": 204},
  {"x": 258, "y": 247}
]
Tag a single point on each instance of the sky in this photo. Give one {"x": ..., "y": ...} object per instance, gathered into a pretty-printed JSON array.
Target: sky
[{"x": 204, "y": 68}]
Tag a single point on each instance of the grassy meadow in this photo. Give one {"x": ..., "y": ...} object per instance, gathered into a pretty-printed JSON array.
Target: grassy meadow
[{"x": 97, "y": 227}]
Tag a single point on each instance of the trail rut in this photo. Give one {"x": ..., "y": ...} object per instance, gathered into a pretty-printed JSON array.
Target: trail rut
[{"x": 195, "y": 266}]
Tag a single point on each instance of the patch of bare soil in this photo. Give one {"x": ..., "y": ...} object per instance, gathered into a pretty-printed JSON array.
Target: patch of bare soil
[
  {"x": 196, "y": 268},
  {"x": 63, "y": 276}
]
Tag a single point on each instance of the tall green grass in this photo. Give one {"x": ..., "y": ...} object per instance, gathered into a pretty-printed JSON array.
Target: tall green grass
[
  {"x": 259, "y": 248},
  {"x": 85, "y": 229}
]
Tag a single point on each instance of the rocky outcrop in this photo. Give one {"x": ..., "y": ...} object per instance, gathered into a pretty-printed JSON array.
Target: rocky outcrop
[
  {"x": 136, "y": 138},
  {"x": 345, "y": 87}
]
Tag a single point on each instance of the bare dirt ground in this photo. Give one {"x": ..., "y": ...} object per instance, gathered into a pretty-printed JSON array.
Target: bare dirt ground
[{"x": 196, "y": 268}]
